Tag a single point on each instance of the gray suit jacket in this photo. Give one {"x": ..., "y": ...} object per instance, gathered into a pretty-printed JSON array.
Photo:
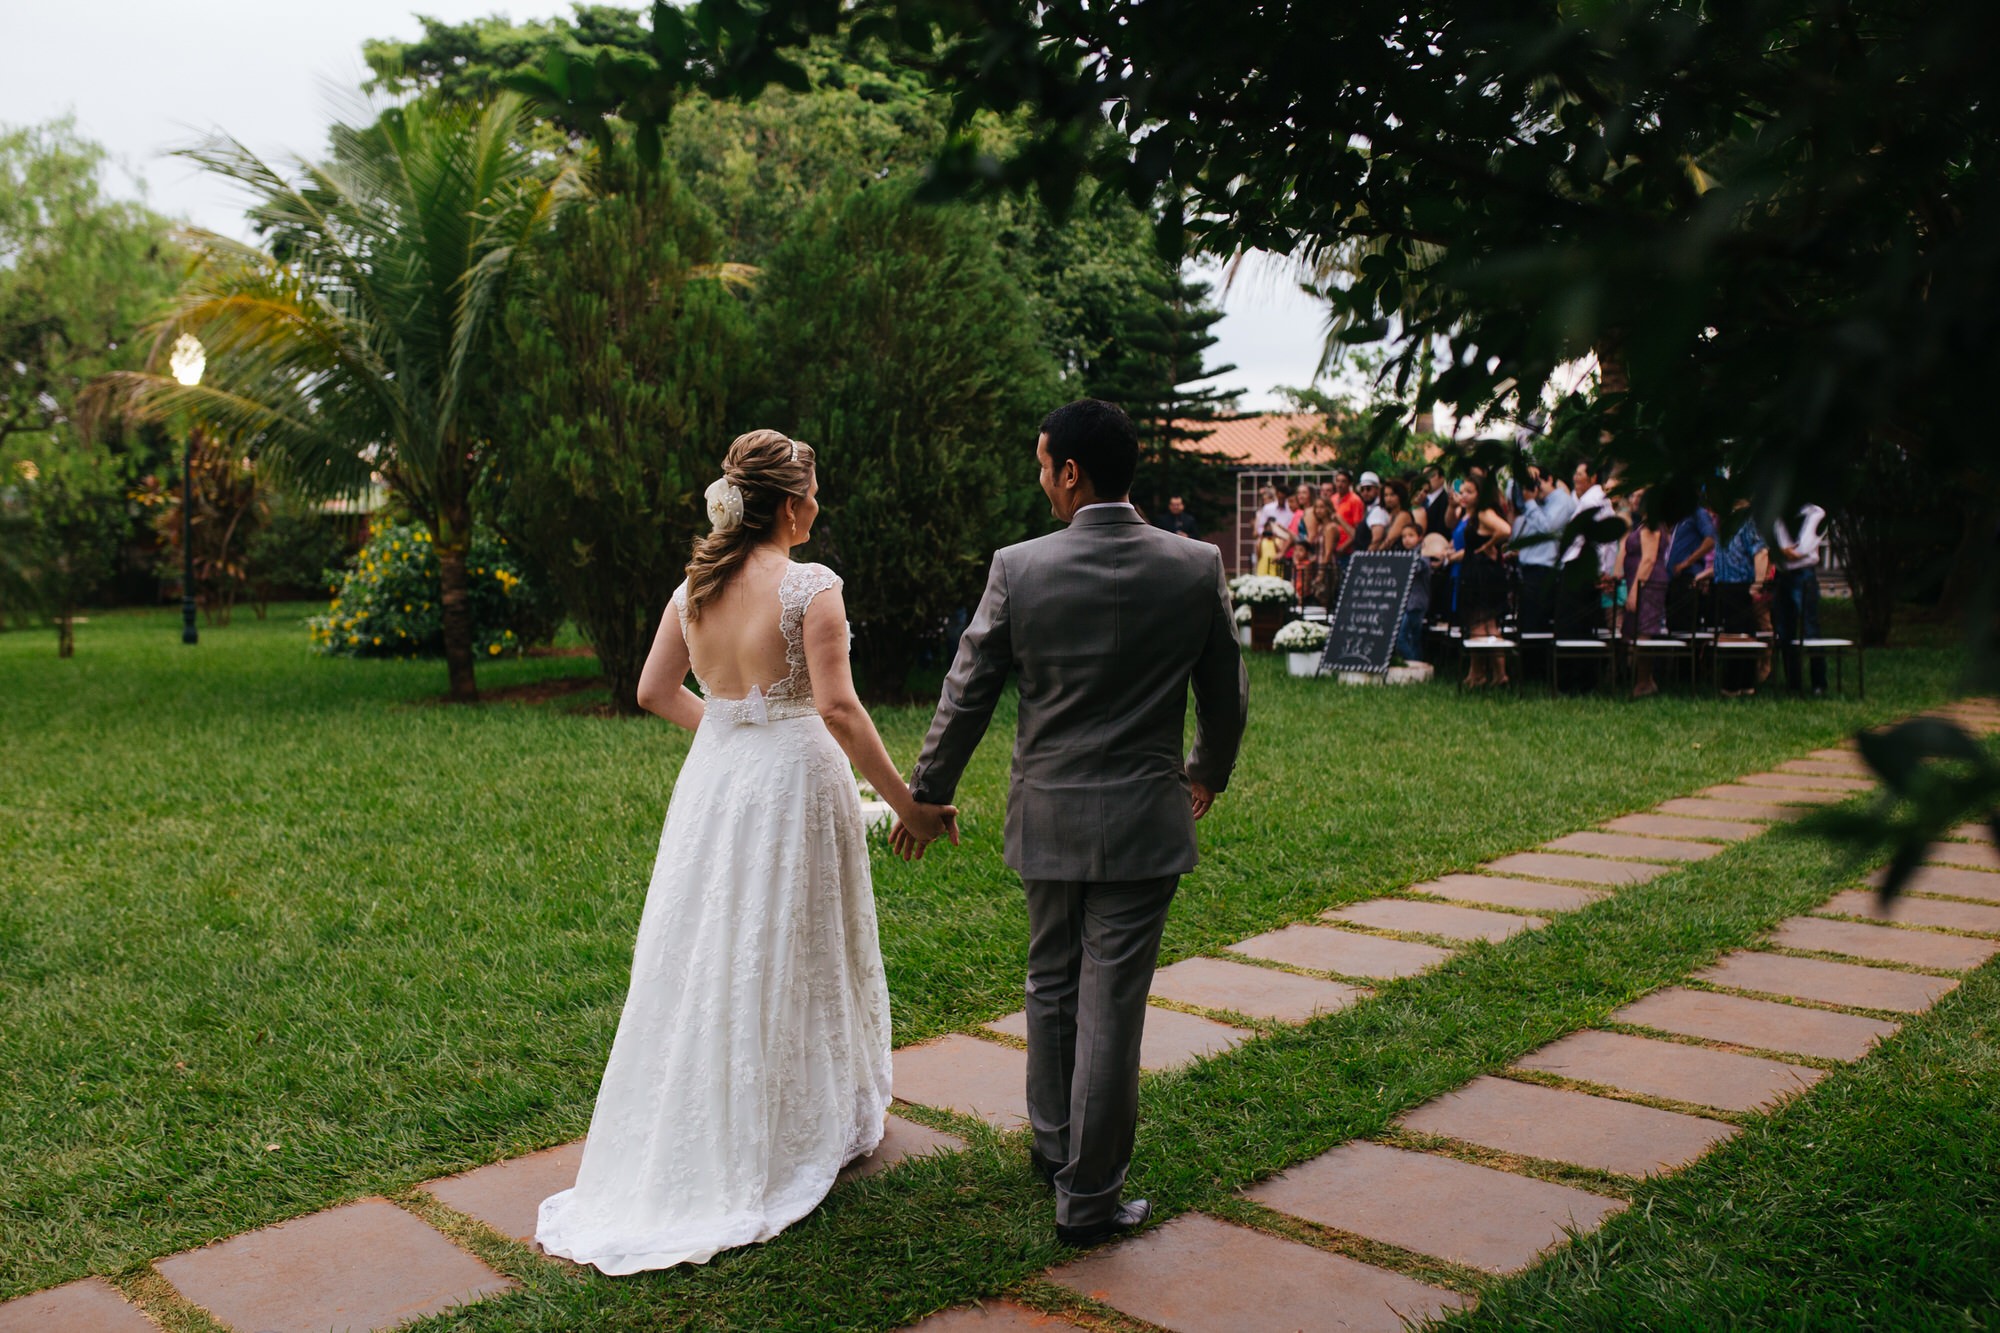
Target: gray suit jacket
[{"x": 1106, "y": 624}]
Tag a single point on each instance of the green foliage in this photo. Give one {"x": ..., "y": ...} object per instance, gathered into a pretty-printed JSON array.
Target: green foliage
[
  {"x": 390, "y": 601},
  {"x": 360, "y": 338},
  {"x": 296, "y": 546},
  {"x": 892, "y": 339},
  {"x": 469, "y": 61},
  {"x": 623, "y": 348},
  {"x": 80, "y": 274},
  {"x": 62, "y": 515}
]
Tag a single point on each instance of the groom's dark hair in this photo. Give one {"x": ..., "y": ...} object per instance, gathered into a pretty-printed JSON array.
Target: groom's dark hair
[{"x": 1102, "y": 440}]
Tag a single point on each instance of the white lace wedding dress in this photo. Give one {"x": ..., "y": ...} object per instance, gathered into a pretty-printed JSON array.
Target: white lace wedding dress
[{"x": 752, "y": 1058}]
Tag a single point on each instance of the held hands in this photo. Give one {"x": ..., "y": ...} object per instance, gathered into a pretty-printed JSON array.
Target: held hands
[{"x": 924, "y": 825}]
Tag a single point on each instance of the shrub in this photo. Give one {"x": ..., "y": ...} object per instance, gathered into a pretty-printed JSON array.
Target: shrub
[
  {"x": 621, "y": 352},
  {"x": 390, "y": 600},
  {"x": 299, "y": 550},
  {"x": 895, "y": 343}
]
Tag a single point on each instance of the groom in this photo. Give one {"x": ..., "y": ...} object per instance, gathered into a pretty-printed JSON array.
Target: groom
[{"x": 1105, "y": 624}]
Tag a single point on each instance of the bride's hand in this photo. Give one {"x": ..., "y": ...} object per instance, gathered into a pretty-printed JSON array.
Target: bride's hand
[{"x": 924, "y": 825}]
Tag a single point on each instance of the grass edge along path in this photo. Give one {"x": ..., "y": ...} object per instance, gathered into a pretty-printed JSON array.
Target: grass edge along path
[{"x": 544, "y": 1281}]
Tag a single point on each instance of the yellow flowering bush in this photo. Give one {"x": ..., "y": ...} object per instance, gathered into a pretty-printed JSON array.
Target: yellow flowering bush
[{"x": 389, "y": 600}]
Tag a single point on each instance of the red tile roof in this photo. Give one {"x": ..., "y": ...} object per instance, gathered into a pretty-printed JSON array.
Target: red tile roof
[{"x": 1260, "y": 441}]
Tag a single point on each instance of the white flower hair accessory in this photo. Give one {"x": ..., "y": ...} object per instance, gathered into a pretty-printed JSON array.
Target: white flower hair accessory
[{"x": 725, "y": 504}]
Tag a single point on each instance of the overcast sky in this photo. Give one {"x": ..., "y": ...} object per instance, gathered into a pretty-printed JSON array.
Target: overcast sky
[{"x": 144, "y": 78}]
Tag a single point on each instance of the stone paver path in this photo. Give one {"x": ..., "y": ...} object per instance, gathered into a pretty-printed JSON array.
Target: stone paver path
[
  {"x": 1342, "y": 952},
  {"x": 1851, "y": 985},
  {"x": 1572, "y": 1127},
  {"x": 1582, "y": 869},
  {"x": 1685, "y": 827},
  {"x": 1915, "y": 910},
  {"x": 370, "y": 1264},
  {"x": 1700, "y": 1075},
  {"x": 1498, "y": 891},
  {"x": 90, "y": 1306},
  {"x": 1653, "y": 848},
  {"x": 1441, "y": 919},
  {"x": 1459, "y": 1211},
  {"x": 1763, "y": 1025},
  {"x": 1198, "y": 1275},
  {"x": 365, "y": 1265},
  {"x": 1256, "y": 992},
  {"x": 1883, "y": 944}
]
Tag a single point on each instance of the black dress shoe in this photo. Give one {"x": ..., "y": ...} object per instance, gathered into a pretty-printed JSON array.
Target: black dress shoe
[
  {"x": 1130, "y": 1216},
  {"x": 1044, "y": 1168}
]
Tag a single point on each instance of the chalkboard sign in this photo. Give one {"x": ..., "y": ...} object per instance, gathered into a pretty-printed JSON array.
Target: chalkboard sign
[{"x": 1373, "y": 592}]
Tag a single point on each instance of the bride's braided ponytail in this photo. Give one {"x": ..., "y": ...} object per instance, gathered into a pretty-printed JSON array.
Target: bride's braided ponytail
[{"x": 765, "y": 468}]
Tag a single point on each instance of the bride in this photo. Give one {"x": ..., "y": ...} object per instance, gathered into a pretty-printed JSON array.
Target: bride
[{"x": 752, "y": 1058}]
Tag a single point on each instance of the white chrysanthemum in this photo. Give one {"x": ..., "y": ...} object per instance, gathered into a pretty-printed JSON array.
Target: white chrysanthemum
[
  {"x": 1261, "y": 590},
  {"x": 725, "y": 504},
  {"x": 1301, "y": 636}
]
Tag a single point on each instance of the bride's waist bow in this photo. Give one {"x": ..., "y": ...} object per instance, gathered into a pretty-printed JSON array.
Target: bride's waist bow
[{"x": 756, "y": 709}]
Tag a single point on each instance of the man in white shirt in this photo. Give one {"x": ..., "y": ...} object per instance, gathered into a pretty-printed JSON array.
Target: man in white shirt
[
  {"x": 1272, "y": 510},
  {"x": 1795, "y": 613},
  {"x": 1374, "y": 513}
]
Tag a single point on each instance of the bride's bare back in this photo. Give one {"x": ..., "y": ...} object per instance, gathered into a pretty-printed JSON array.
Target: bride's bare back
[{"x": 738, "y": 642}]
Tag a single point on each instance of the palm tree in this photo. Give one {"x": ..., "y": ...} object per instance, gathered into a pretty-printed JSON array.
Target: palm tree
[{"x": 359, "y": 336}]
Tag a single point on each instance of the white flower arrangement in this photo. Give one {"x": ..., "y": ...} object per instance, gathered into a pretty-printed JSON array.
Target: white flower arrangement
[
  {"x": 1260, "y": 590},
  {"x": 1301, "y": 636},
  {"x": 1242, "y": 614}
]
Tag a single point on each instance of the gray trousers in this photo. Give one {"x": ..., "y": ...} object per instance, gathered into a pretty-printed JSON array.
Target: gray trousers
[{"x": 1091, "y": 953}]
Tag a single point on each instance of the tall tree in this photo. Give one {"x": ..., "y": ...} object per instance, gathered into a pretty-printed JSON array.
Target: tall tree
[
  {"x": 892, "y": 340},
  {"x": 359, "y": 335},
  {"x": 623, "y": 350}
]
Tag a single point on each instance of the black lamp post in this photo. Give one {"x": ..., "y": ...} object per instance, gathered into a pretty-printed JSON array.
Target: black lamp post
[{"x": 188, "y": 360}]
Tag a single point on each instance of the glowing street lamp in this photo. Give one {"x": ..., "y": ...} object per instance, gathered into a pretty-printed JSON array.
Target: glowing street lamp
[{"x": 187, "y": 361}]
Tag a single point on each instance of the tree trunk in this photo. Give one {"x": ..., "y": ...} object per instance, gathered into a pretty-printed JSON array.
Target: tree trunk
[
  {"x": 454, "y": 541},
  {"x": 66, "y": 635},
  {"x": 1613, "y": 376},
  {"x": 1970, "y": 561},
  {"x": 622, "y": 646}
]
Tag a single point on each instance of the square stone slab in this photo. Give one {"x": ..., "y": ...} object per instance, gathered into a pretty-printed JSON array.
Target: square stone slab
[
  {"x": 364, "y": 1265},
  {"x": 1918, "y": 948},
  {"x": 1966, "y": 855},
  {"x": 1260, "y": 992},
  {"x": 1473, "y": 1215},
  {"x": 1677, "y": 826},
  {"x": 992, "y": 1317},
  {"x": 1829, "y": 983},
  {"x": 1917, "y": 911},
  {"x": 89, "y": 1306},
  {"x": 1592, "y": 843},
  {"x": 1572, "y": 1127},
  {"x": 1735, "y": 791},
  {"x": 1342, "y": 952},
  {"x": 1764, "y": 1025},
  {"x": 1972, "y": 833},
  {"x": 1171, "y": 1039},
  {"x": 1702, "y": 807},
  {"x": 1805, "y": 782},
  {"x": 901, "y": 1139},
  {"x": 1721, "y": 1079},
  {"x": 958, "y": 1073},
  {"x": 1532, "y": 894},
  {"x": 1453, "y": 923},
  {"x": 1590, "y": 870},
  {"x": 1951, "y": 882},
  {"x": 1845, "y": 750},
  {"x": 508, "y": 1195},
  {"x": 1198, "y": 1275}
]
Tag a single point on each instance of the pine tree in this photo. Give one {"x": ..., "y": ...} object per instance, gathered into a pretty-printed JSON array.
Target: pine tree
[{"x": 1153, "y": 366}]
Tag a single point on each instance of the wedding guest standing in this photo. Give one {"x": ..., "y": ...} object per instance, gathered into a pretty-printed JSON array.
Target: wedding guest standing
[
  {"x": 1796, "y": 612},
  {"x": 1739, "y": 568},
  {"x": 1178, "y": 520},
  {"x": 1645, "y": 587}
]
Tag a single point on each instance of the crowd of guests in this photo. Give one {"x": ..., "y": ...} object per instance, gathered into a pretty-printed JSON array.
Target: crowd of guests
[{"x": 1552, "y": 551}]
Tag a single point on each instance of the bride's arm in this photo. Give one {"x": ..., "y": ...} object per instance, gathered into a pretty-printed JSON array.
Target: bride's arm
[
  {"x": 663, "y": 687},
  {"x": 840, "y": 708}
]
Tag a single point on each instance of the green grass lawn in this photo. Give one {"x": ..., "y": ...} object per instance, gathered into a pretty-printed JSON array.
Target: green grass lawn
[{"x": 276, "y": 932}]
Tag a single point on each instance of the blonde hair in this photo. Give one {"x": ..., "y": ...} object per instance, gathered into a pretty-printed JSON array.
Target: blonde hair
[{"x": 768, "y": 467}]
